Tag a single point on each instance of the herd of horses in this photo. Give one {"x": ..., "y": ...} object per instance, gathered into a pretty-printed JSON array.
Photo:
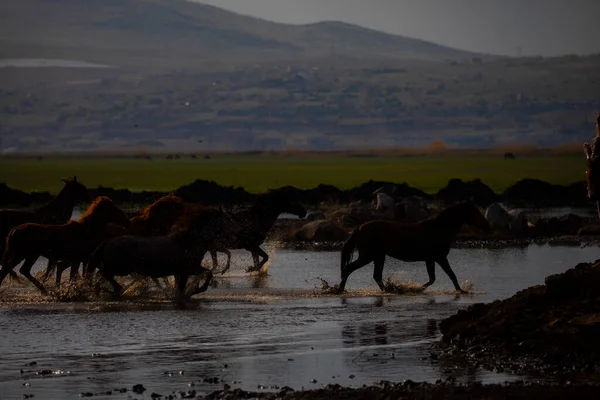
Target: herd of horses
[{"x": 171, "y": 238}]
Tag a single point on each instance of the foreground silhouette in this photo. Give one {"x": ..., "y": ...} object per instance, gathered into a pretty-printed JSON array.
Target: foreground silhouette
[
  {"x": 428, "y": 240},
  {"x": 179, "y": 254},
  {"x": 57, "y": 211},
  {"x": 73, "y": 242},
  {"x": 592, "y": 173}
]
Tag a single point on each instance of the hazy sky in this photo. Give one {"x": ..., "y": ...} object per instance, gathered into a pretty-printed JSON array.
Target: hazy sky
[{"x": 539, "y": 27}]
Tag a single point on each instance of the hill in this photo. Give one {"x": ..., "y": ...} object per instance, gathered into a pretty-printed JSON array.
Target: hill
[
  {"x": 189, "y": 73},
  {"x": 184, "y": 34}
]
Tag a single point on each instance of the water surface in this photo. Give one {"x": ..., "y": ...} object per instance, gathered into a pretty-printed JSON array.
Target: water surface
[{"x": 250, "y": 331}]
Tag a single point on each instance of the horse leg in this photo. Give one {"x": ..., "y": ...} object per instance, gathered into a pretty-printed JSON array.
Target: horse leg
[
  {"x": 7, "y": 269},
  {"x": 74, "y": 271},
  {"x": 11, "y": 272},
  {"x": 50, "y": 267},
  {"x": 228, "y": 264},
  {"x": 255, "y": 262},
  {"x": 431, "y": 272},
  {"x": 181, "y": 285},
  {"x": 598, "y": 207},
  {"x": 111, "y": 279},
  {"x": 215, "y": 260},
  {"x": 25, "y": 270},
  {"x": 350, "y": 268},
  {"x": 204, "y": 286},
  {"x": 378, "y": 272},
  {"x": 446, "y": 267},
  {"x": 256, "y": 252},
  {"x": 61, "y": 266}
]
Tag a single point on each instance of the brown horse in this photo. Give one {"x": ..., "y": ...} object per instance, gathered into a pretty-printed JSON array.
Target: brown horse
[
  {"x": 428, "y": 240},
  {"x": 159, "y": 218},
  {"x": 58, "y": 211},
  {"x": 73, "y": 241},
  {"x": 179, "y": 254},
  {"x": 249, "y": 228},
  {"x": 111, "y": 231}
]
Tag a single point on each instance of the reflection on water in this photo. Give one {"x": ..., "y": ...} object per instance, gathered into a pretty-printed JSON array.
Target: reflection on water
[{"x": 272, "y": 330}]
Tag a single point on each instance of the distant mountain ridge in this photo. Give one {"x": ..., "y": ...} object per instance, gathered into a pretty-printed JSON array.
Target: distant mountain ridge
[{"x": 140, "y": 32}]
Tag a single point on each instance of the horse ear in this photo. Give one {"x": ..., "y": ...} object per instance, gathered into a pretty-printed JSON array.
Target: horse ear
[{"x": 74, "y": 178}]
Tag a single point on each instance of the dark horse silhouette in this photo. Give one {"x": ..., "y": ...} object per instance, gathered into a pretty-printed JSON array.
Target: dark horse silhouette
[
  {"x": 428, "y": 240},
  {"x": 509, "y": 156},
  {"x": 179, "y": 254},
  {"x": 250, "y": 227},
  {"x": 111, "y": 230},
  {"x": 73, "y": 241},
  {"x": 592, "y": 173},
  {"x": 247, "y": 230},
  {"x": 159, "y": 218},
  {"x": 58, "y": 211}
]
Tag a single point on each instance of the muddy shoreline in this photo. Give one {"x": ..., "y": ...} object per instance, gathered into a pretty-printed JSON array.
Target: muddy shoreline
[
  {"x": 550, "y": 330},
  {"x": 414, "y": 390}
]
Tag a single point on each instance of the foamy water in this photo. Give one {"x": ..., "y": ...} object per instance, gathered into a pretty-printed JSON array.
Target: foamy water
[{"x": 274, "y": 330}]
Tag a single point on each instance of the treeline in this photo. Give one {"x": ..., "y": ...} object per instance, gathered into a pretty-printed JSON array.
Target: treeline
[{"x": 525, "y": 193}]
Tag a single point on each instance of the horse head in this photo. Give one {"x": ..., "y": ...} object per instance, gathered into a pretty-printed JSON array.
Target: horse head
[
  {"x": 75, "y": 190},
  {"x": 104, "y": 211}
]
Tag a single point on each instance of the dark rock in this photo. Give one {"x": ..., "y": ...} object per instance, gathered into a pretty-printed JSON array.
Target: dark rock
[
  {"x": 458, "y": 190},
  {"x": 554, "y": 324},
  {"x": 537, "y": 193},
  {"x": 138, "y": 389}
]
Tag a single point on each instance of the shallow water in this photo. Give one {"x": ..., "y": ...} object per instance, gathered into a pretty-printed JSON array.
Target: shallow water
[{"x": 274, "y": 330}]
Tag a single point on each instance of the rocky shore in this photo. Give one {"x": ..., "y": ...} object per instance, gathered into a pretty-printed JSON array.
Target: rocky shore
[
  {"x": 550, "y": 330},
  {"x": 412, "y": 390}
]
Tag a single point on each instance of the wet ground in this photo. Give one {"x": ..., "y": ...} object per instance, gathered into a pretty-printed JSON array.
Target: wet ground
[{"x": 261, "y": 332}]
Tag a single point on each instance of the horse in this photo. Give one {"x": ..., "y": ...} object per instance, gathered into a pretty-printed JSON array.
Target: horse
[
  {"x": 428, "y": 240},
  {"x": 57, "y": 211},
  {"x": 111, "y": 230},
  {"x": 249, "y": 228},
  {"x": 179, "y": 254},
  {"x": 159, "y": 218},
  {"x": 73, "y": 241}
]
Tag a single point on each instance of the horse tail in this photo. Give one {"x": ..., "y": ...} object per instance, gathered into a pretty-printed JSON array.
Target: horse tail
[
  {"x": 348, "y": 249},
  {"x": 96, "y": 258},
  {"x": 8, "y": 248}
]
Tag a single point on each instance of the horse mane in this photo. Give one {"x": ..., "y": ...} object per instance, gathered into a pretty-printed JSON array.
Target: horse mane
[
  {"x": 160, "y": 206},
  {"x": 99, "y": 201}
]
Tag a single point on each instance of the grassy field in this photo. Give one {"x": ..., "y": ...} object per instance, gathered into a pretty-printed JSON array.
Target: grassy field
[{"x": 256, "y": 173}]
